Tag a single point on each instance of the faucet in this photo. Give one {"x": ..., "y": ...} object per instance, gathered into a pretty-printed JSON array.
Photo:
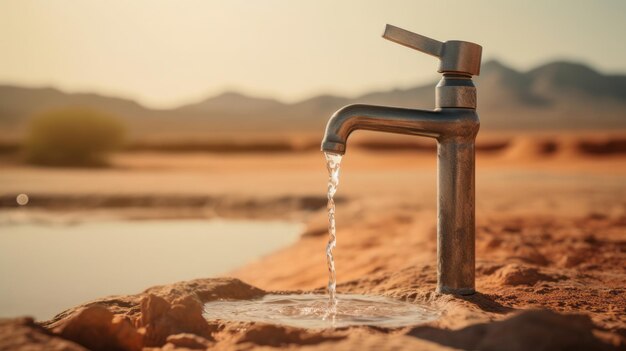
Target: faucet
[{"x": 454, "y": 124}]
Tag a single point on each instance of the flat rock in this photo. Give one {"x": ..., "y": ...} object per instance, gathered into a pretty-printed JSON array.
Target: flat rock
[
  {"x": 25, "y": 334},
  {"x": 148, "y": 319}
]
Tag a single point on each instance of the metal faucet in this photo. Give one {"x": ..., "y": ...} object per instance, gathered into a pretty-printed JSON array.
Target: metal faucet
[{"x": 454, "y": 124}]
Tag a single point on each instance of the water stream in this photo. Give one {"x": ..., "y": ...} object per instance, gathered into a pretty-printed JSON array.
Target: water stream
[{"x": 333, "y": 163}]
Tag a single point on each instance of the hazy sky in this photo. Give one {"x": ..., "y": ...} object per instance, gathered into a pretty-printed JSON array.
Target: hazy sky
[{"x": 165, "y": 53}]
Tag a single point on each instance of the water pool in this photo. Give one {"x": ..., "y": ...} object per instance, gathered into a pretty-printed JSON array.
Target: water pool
[
  {"x": 46, "y": 268},
  {"x": 314, "y": 311}
]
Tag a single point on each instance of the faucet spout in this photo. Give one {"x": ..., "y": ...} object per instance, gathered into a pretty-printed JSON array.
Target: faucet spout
[
  {"x": 439, "y": 124},
  {"x": 455, "y": 130}
]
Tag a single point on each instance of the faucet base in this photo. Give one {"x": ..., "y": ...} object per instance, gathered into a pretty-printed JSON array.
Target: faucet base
[
  {"x": 453, "y": 291},
  {"x": 456, "y": 216}
]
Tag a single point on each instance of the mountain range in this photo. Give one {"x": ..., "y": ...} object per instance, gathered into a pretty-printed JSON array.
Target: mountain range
[{"x": 554, "y": 96}]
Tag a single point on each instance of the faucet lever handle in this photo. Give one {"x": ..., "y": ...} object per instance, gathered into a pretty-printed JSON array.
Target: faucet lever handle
[
  {"x": 455, "y": 56},
  {"x": 413, "y": 40}
]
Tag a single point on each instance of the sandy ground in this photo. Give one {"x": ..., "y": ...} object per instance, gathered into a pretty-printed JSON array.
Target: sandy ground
[{"x": 551, "y": 249}]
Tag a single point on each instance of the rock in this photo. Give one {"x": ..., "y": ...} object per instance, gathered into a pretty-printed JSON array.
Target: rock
[
  {"x": 97, "y": 328},
  {"x": 24, "y": 334},
  {"x": 129, "y": 306},
  {"x": 542, "y": 330},
  {"x": 189, "y": 341},
  {"x": 207, "y": 290},
  {"x": 152, "y": 308},
  {"x": 147, "y": 319},
  {"x": 277, "y": 336},
  {"x": 536, "y": 330},
  {"x": 161, "y": 319}
]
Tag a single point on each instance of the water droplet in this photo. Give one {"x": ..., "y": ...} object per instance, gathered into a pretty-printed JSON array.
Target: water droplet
[{"x": 22, "y": 199}]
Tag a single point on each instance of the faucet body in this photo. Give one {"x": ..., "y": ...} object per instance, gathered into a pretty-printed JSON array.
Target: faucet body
[
  {"x": 455, "y": 130},
  {"x": 454, "y": 124}
]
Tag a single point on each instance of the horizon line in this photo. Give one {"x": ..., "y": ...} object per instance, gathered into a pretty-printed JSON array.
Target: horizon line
[{"x": 260, "y": 96}]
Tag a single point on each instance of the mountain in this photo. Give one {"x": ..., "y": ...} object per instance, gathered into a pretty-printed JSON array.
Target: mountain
[
  {"x": 554, "y": 96},
  {"x": 557, "y": 95},
  {"x": 18, "y": 103},
  {"x": 233, "y": 102}
]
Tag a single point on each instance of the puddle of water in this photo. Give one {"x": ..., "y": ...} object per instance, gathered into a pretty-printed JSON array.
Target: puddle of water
[
  {"x": 46, "y": 268},
  {"x": 312, "y": 311}
]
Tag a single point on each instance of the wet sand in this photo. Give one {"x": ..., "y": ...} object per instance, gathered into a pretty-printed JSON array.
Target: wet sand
[{"x": 551, "y": 236}]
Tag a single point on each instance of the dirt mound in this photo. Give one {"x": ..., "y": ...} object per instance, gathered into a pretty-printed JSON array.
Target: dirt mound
[
  {"x": 528, "y": 330},
  {"x": 513, "y": 146},
  {"x": 533, "y": 147},
  {"x": 514, "y": 274},
  {"x": 613, "y": 145}
]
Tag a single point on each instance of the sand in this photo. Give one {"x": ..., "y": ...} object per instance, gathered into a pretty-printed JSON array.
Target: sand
[{"x": 551, "y": 249}]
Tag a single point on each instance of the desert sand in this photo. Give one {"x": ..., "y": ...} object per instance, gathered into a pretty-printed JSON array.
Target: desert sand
[{"x": 551, "y": 248}]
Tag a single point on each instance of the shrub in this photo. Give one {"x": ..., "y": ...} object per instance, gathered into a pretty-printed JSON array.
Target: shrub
[{"x": 72, "y": 137}]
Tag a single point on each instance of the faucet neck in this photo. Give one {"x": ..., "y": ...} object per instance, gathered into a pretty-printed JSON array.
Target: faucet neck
[{"x": 455, "y": 90}]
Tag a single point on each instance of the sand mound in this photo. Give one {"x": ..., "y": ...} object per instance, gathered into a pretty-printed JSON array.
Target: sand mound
[
  {"x": 525, "y": 331},
  {"x": 608, "y": 145},
  {"x": 531, "y": 148},
  {"x": 514, "y": 274},
  {"x": 534, "y": 147}
]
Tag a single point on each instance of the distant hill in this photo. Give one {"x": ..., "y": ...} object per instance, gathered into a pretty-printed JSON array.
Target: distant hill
[{"x": 555, "y": 96}]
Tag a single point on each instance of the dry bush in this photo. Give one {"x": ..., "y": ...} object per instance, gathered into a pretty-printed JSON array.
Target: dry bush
[{"x": 72, "y": 137}]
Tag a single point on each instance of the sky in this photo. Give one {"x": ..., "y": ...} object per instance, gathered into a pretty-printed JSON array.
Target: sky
[{"x": 167, "y": 53}]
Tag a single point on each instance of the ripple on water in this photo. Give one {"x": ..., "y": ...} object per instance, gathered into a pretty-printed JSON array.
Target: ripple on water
[{"x": 312, "y": 311}]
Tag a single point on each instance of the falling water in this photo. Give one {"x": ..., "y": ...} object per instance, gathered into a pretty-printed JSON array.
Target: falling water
[{"x": 333, "y": 162}]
